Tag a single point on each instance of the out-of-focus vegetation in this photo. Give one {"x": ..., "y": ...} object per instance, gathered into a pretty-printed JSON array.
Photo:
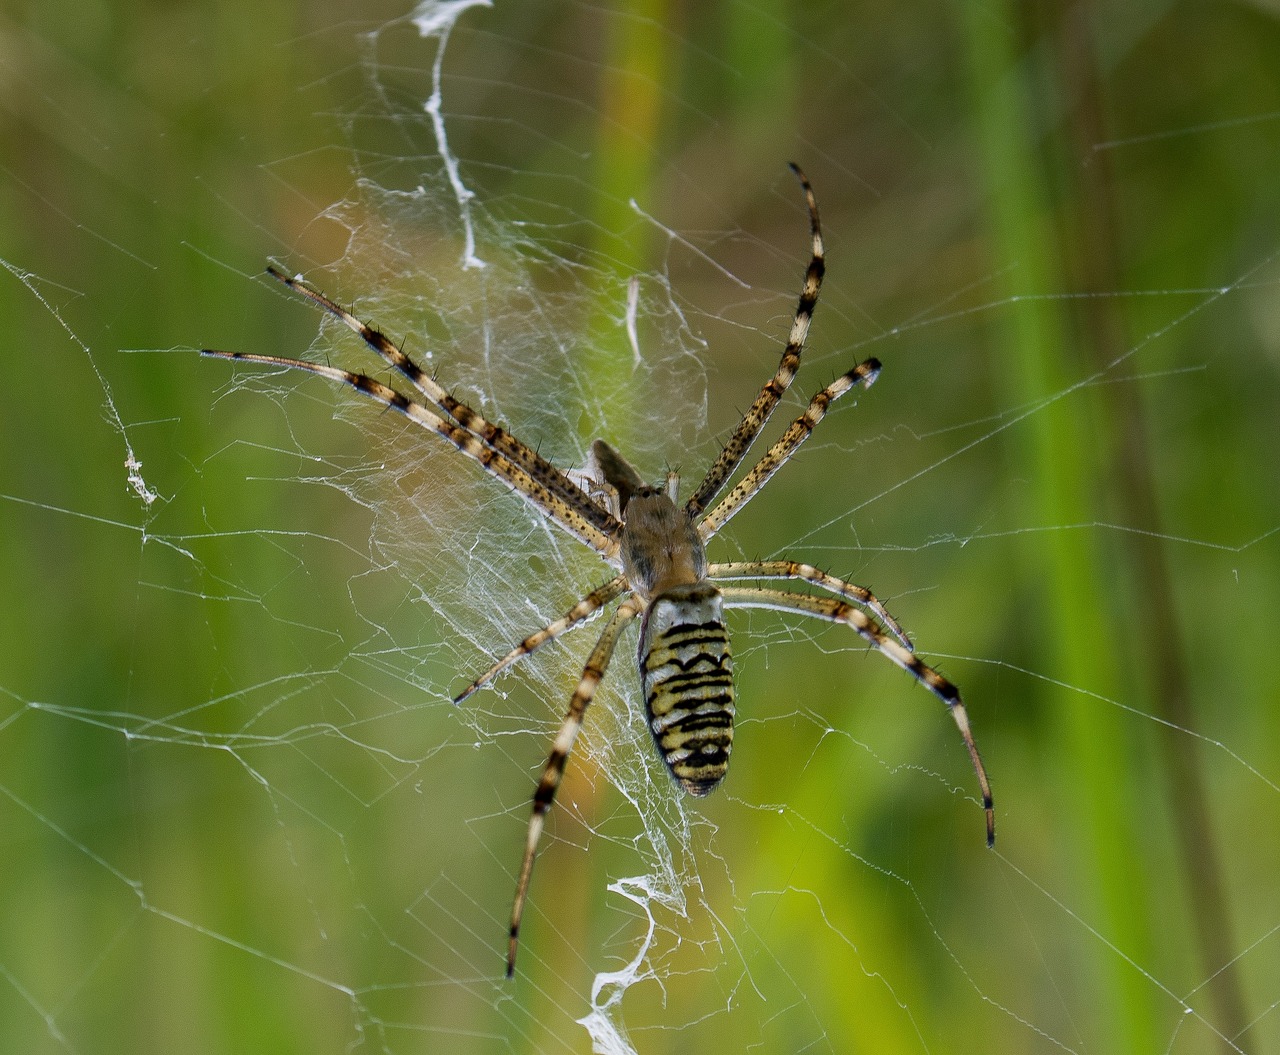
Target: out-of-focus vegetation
[{"x": 1056, "y": 225}]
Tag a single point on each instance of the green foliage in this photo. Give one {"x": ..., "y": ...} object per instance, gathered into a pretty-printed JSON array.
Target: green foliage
[{"x": 236, "y": 812}]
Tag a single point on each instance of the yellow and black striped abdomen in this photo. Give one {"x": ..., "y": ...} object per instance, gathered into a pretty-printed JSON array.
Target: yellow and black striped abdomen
[{"x": 687, "y": 676}]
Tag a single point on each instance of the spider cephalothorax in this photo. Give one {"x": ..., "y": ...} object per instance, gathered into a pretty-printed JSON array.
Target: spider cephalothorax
[
  {"x": 685, "y": 669},
  {"x": 656, "y": 547}
]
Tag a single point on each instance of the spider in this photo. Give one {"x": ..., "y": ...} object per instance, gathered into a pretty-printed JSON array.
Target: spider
[{"x": 658, "y": 549}]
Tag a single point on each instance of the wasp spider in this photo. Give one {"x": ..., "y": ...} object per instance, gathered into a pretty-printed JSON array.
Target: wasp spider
[{"x": 658, "y": 548}]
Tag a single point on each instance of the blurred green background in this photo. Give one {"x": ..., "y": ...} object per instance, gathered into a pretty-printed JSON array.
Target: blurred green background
[{"x": 237, "y": 812}]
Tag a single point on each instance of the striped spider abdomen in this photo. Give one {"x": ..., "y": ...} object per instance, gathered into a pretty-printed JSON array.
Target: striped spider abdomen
[{"x": 687, "y": 676}]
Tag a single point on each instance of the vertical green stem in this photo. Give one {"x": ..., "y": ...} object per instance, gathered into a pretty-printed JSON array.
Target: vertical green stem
[
  {"x": 1097, "y": 262},
  {"x": 1036, "y": 358},
  {"x": 636, "y": 61}
]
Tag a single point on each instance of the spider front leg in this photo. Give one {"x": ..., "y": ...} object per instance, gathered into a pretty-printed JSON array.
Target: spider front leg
[
  {"x": 789, "y": 569},
  {"x": 863, "y": 375},
  {"x": 574, "y": 617},
  {"x": 758, "y": 414},
  {"x": 834, "y": 610},
  {"x": 590, "y": 524},
  {"x": 492, "y": 436},
  {"x": 553, "y": 771}
]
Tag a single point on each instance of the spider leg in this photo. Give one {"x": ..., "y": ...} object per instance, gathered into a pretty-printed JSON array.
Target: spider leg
[
  {"x": 493, "y": 435},
  {"x": 535, "y": 491},
  {"x": 575, "y": 616},
  {"x": 835, "y": 610},
  {"x": 553, "y": 772},
  {"x": 787, "y": 569},
  {"x": 775, "y": 457},
  {"x": 758, "y": 413}
]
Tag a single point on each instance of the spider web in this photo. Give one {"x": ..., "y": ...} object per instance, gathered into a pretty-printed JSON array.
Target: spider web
[{"x": 240, "y": 811}]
